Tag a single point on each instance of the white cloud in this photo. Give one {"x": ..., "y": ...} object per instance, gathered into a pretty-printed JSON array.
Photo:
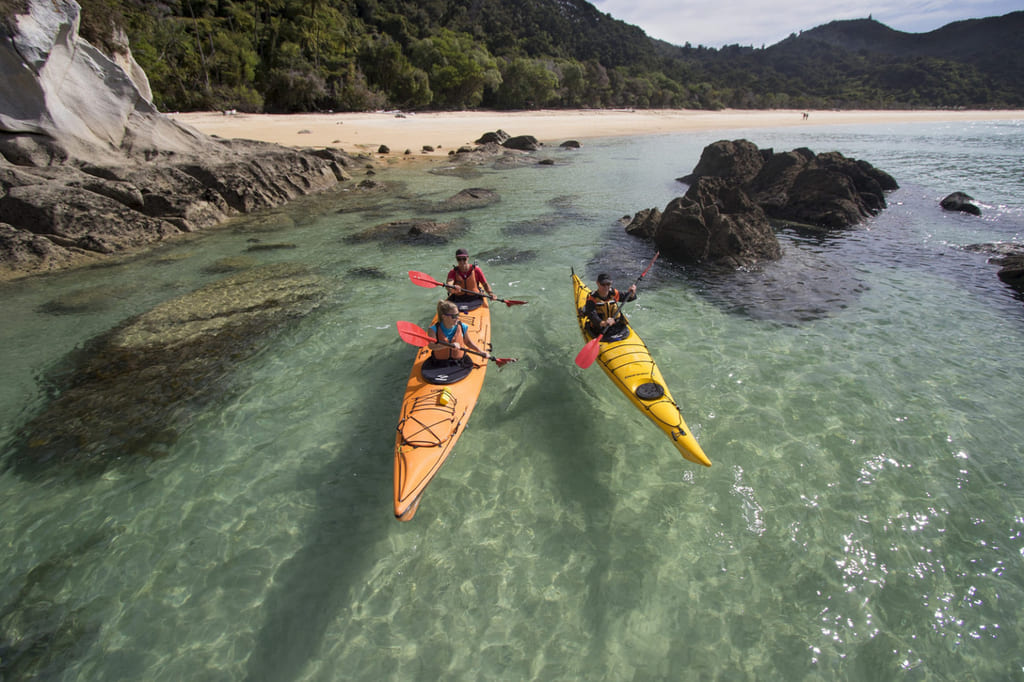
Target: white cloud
[{"x": 746, "y": 22}]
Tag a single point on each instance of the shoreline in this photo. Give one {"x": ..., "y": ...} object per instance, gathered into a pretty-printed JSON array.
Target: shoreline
[{"x": 406, "y": 134}]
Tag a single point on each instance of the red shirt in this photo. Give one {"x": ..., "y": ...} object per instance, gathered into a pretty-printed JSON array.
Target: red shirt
[{"x": 467, "y": 280}]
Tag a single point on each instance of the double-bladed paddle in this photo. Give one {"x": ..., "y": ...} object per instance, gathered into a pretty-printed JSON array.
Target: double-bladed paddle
[
  {"x": 417, "y": 336},
  {"x": 424, "y": 280},
  {"x": 585, "y": 358}
]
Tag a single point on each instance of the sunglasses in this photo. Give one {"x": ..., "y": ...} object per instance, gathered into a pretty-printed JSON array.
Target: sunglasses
[
  {"x": 462, "y": 258},
  {"x": 449, "y": 315}
]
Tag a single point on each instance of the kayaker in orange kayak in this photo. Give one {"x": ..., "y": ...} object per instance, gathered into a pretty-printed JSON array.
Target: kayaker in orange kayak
[
  {"x": 451, "y": 336},
  {"x": 602, "y": 308},
  {"x": 468, "y": 277}
]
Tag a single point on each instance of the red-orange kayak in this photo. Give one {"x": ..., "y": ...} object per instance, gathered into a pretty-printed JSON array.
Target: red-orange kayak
[{"x": 433, "y": 417}]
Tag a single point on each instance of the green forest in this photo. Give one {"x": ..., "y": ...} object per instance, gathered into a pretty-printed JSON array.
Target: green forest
[{"x": 356, "y": 55}]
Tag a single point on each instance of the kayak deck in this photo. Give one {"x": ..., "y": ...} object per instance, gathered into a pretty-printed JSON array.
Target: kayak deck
[
  {"x": 427, "y": 427},
  {"x": 630, "y": 366}
]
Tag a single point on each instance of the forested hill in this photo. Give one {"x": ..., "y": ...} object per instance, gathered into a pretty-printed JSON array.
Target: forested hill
[{"x": 309, "y": 55}]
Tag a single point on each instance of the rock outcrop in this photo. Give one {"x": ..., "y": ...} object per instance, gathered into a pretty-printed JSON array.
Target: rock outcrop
[
  {"x": 61, "y": 92},
  {"x": 962, "y": 202},
  {"x": 823, "y": 190},
  {"x": 89, "y": 167},
  {"x": 736, "y": 188},
  {"x": 1010, "y": 259},
  {"x": 715, "y": 222}
]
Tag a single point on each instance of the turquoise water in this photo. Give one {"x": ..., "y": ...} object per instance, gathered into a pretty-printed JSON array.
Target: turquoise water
[{"x": 860, "y": 401}]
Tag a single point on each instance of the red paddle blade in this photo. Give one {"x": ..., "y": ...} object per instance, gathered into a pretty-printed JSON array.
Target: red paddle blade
[
  {"x": 501, "y": 362},
  {"x": 410, "y": 333},
  {"x": 585, "y": 358},
  {"x": 509, "y": 302},
  {"x": 423, "y": 279}
]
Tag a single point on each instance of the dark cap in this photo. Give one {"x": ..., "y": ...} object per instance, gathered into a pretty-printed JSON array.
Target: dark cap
[
  {"x": 603, "y": 278},
  {"x": 461, "y": 252}
]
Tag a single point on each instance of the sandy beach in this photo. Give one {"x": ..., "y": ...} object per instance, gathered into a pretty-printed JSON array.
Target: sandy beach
[{"x": 447, "y": 131}]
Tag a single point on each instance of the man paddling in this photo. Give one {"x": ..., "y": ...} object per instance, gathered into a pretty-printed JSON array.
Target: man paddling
[
  {"x": 602, "y": 308},
  {"x": 469, "y": 279}
]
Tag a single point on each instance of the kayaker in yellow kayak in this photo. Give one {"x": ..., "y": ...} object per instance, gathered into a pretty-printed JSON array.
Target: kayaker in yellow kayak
[
  {"x": 451, "y": 337},
  {"x": 602, "y": 308},
  {"x": 468, "y": 277}
]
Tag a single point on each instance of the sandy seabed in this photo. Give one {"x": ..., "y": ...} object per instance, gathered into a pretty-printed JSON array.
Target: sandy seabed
[{"x": 406, "y": 134}]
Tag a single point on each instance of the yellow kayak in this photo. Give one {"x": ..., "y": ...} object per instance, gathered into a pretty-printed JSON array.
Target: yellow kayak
[
  {"x": 434, "y": 413},
  {"x": 630, "y": 366}
]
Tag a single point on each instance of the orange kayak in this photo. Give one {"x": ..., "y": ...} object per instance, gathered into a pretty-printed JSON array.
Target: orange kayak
[{"x": 434, "y": 415}]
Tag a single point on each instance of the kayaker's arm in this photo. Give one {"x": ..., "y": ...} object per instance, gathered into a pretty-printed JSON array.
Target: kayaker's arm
[{"x": 470, "y": 342}]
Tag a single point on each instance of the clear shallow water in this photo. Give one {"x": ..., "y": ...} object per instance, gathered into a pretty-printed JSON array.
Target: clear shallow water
[{"x": 860, "y": 401}]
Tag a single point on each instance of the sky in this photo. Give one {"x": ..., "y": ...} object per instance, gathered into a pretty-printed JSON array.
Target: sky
[{"x": 757, "y": 23}]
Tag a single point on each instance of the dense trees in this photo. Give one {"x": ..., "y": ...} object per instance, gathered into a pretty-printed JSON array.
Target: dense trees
[{"x": 306, "y": 55}]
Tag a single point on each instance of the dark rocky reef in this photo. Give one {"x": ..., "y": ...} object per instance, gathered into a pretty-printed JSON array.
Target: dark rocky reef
[
  {"x": 736, "y": 189},
  {"x": 715, "y": 222}
]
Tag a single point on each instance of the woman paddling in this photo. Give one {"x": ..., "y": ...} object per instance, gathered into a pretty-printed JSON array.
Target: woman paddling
[
  {"x": 466, "y": 279},
  {"x": 451, "y": 337}
]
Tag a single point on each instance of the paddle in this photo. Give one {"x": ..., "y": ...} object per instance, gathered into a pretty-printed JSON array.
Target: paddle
[
  {"x": 424, "y": 280},
  {"x": 585, "y": 358},
  {"x": 417, "y": 336}
]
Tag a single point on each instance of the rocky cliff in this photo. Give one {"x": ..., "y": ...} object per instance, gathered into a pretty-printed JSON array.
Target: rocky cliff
[{"x": 89, "y": 167}]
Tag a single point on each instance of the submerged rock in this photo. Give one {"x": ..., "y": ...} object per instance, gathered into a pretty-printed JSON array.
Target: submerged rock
[
  {"x": 1010, "y": 259},
  {"x": 411, "y": 232},
  {"x": 468, "y": 199},
  {"x": 131, "y": 390}
]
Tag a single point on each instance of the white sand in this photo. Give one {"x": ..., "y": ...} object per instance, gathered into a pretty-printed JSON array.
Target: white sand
[{"x": 366, "y": 132}]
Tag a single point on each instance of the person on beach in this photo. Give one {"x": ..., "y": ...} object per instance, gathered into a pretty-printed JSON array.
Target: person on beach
[
  {"x": 452, "y": 336},
  {"x": 468, "y": 278},
  {"x": 602, "y": 308}
]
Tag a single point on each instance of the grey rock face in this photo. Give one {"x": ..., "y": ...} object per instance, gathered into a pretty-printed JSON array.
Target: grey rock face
[{"x": 89, "y": 167}]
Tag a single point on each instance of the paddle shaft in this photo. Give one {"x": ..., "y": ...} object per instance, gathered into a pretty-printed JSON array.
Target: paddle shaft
[
  {"x": 618, "y": 313},
  {"x": 618, "y": 308},
  {"x": 408, "y": 331},
  {"x": 425, "y": 280}
]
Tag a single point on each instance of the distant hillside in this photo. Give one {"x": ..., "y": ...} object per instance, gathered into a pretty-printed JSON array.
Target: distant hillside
[
  {"x": 992, "y": 46},
  {"x": 297, "y": 55}
]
